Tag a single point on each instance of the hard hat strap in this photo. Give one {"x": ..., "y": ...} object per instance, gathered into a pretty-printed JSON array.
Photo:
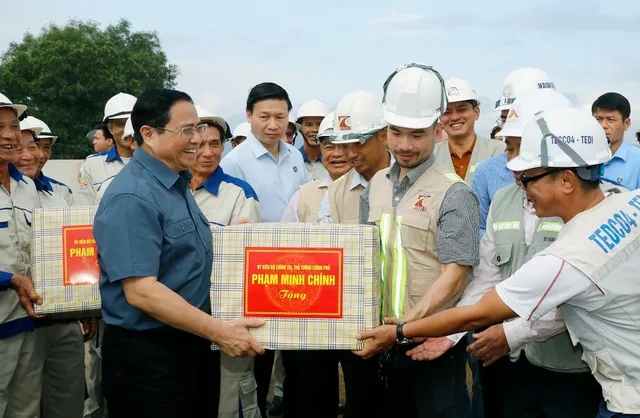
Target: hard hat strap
[
  {"x": 361, "y": 137},
  {"x": 566, "y": 148},
  {"x": 428, "y": 68}
]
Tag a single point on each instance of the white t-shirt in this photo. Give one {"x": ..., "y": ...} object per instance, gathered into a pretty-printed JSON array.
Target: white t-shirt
[{"x": 546, "y": 282}]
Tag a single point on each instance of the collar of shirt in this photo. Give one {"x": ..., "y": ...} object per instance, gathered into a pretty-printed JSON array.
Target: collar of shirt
[
  {"x": 15, "y": 173},
  {"x": 622, "y": 152},
  {"x": 259, "y": 150},
  {"x": 414, "y": 174},
  {"x": 46, "y": 182},
  {"x": 306, "y": 159},
  {"x": 325, "y": 182},
  {"x": 42, "y": 183},
  {"x": 213, "y": 183},
  {"x": 357, "y": 180},
  {"x": 164, "y": 174},
  {"x": 469, "y": 151},
  {"x": 112, "y": 154},
  {"x": 528, "y": 207}
]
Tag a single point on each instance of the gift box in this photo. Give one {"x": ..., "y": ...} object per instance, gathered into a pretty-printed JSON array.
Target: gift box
[
  {"x": 315, "y": 285},
  {"x": 64, "y": 262}
]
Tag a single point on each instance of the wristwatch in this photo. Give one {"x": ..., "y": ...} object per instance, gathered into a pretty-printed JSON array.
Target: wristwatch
[{"x": 400, "y": 338}]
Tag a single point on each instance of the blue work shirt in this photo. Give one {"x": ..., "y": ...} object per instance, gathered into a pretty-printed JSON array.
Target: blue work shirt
[
  {"x": 148, "y": 224},
  {"x": 491, "y": 175},
  {"x": 274, "y": 182},
  {"x": 624, "y": 166}
]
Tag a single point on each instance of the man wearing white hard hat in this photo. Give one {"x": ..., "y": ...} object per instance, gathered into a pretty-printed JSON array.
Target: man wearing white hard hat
[
  {"x": 292, "y": 131},
  {"x": 60, "y": 344},
  {"x": 241, "y": 133},
  {"x": 102, "y": 166},
  {"x": 428, "y": 220},
  {"x": 359, "y": 129},
  {"x": 309, "y": 116},
  {"x": 463, "y": 150},
  {"x": 20, "y": 366},
  {"x": 590, "y": 271},
  {"x": 543, "y": 375},
  {"x": 45, "y": 141},
  {"x": 492, "y": 174},
  {"x": 320, "y": 367},
  {"x": 304, "y": 205},
  {"x": 128, "y": 139},
  {"x": 97, "y": 172},
  {"x": 225, "y": 200}
]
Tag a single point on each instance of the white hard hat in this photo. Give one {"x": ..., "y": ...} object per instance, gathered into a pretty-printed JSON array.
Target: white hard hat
[
  {"x": 242, "y": 130},
  {"x": 326, "y": 127},
  {"x": 45, "y": 132},
  {"x": 26, "y": 125},
  {"x": 128, "y": 129},
  {"x": 459, "y": 90},
  {"x": 207, "y": 116},
  {"x": 525, "y": 107},
  {"x": 5, "y": 102},
  {"x": 521, "y": 81},
  {"x": 358, "y": 116},
  {"x": 295, "y": 124},
  {"x": 119, "y": 106},
  {"x": 564, "y": 138},
  {"x": 414, "y": 97},
  {"x": 312, "y": 108}
]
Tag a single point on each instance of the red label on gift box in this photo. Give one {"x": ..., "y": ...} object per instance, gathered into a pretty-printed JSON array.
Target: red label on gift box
[
  {"x": 293, "y": 282},
  {"x": 80, "y": 255}
]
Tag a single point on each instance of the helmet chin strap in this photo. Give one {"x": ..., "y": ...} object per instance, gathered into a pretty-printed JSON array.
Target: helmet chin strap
[{"x": 583, "y": 170}]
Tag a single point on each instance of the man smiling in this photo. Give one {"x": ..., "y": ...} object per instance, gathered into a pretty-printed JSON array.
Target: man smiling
[
  {"x": 463, "y": 150},
  {"x": 155, "y": 273}
]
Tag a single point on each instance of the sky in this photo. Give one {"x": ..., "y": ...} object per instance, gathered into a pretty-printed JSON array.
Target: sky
[{"x": 326, "y": 49}]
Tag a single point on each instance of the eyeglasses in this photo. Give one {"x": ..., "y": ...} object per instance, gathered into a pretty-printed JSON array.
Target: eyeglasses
[
  {"x": 525, "y": 180},
  {"x": 188, "y": 131}
]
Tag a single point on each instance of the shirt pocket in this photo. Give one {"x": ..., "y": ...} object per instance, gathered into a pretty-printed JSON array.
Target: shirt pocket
[
  {"x": 414, "y": 231},
  {"x": 182, "y": 238},
  {"x": 502, "y": 254}
]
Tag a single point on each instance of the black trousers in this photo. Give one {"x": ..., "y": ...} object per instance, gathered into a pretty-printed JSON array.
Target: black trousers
[
  {"x": 262, "y": 370},
  {"x": 492, "y": 379},
  {"x": 427, "y": 389},
  {"x": 311, "y": 384},
  {"x": 160, "y": 373},
  {"x": 534, "y": 392}
]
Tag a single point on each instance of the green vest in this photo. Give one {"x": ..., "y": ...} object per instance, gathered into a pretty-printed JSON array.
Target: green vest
[{"x": 511, "y": 252}]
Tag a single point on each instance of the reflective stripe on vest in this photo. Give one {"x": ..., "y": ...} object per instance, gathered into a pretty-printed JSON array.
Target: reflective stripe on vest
[
  {"x": 453, "y": 177},
  {"x": 506, "y": 226},
  {"x": 399, "y": 273},
  {"x": 399, "y": 276},
  {"x": 550, "y": 226},
  {"x": 385, "y": 224}
]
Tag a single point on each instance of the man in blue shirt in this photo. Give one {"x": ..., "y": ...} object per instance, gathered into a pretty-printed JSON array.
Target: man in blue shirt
[
  {"x": 612, "y": 110},
  {"x": 274, "y": 169},
  {"x": 154, "y": 251}
]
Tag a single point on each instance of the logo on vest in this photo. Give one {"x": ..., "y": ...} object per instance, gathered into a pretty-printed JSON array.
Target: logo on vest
[{"x": 419, "y": 205}]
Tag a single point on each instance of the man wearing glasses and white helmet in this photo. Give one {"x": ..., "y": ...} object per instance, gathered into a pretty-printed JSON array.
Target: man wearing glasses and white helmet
[{"x": 590, "y": 271}]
